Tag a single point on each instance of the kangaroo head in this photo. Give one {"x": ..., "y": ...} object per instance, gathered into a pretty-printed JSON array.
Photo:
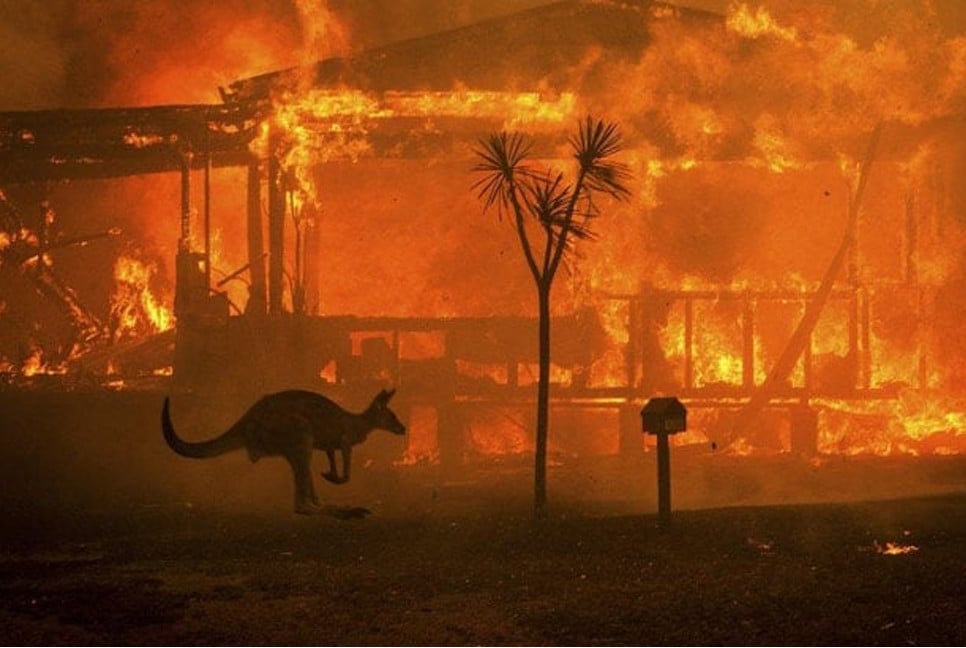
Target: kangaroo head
[{"x": 380, "y": 416}]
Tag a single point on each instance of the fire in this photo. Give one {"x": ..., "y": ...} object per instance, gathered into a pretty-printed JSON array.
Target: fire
[
  {"x": 34, "y": 365},
  {"x": 757, "y": 24},
  {"x": 135, "y": 310},
  {"x": 318, "y": 125},
  {"x": 774, "y": 151},
  {"x": 894, "y": 548},
  {"x": 786, "y": 109},
  {"x": 914, "y": 424},
  {"x": 717, "y": 345}
]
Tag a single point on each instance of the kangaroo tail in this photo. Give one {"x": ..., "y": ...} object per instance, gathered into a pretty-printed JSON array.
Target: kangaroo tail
[{"x": 230, "y": 440}]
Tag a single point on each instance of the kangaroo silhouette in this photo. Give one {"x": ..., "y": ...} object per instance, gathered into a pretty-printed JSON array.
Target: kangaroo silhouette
[{"x": 291, "y": 424}]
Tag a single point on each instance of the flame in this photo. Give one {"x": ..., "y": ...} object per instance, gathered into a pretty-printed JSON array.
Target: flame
[
  {"x": 914, "y": 424},
  {"x": 894, "y": 548},
  {"x": 773, "y": 147},
  {"x": 757, "y": 24},
  {"x": 34, "y": 365},
  {"x": 319, "y": 125},
  {"x": 135, "y": 310}
]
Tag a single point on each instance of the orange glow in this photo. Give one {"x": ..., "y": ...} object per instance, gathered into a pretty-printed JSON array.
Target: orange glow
[
  {"x": 496, "y": 432},
  {"x": 422, "y": 444}
]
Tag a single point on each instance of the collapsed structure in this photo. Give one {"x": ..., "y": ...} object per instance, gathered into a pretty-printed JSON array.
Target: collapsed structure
[{"x": 795, "y": 289}]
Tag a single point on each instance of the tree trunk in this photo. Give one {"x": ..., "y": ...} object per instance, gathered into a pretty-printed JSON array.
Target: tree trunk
[{"x": 543, "y": 402}]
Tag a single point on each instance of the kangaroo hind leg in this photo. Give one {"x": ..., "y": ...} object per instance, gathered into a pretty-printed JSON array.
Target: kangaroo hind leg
[
  {"x": 306, "y": 501},
  {"x": 332, "y": 475}
]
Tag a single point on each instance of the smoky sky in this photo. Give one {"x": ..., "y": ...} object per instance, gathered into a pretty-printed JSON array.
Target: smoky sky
[{"x": 101, "y": 53}]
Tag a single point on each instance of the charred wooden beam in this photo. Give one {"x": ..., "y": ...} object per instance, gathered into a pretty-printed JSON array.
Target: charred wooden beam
[{"x": 99, "y": 143}]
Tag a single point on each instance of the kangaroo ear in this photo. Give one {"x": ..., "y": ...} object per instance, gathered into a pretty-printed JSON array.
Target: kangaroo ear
[{"x": 388, "y": 394}]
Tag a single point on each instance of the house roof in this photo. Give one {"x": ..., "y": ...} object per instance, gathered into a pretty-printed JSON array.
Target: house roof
[{"x": 531, "y": 49}]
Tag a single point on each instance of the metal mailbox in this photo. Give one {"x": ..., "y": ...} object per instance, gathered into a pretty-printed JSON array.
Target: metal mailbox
[{"x": 664, "y": 415}]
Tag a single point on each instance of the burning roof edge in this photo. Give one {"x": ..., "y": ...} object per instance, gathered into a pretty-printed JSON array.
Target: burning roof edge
[{"x": 547, "y": 38}]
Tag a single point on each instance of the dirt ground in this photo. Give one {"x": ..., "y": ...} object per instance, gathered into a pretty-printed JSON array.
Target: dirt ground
[{"x": 109, "y": 539}]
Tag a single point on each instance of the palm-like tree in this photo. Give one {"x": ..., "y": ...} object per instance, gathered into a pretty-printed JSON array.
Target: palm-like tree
[{"x": 549, "y": 214}]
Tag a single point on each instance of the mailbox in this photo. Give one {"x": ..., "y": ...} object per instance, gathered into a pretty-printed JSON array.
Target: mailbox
[
  {"x": 666, "y": 415},
  {"x": 663, "y": 417}
]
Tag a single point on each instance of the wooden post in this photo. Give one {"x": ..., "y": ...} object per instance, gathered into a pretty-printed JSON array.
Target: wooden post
[
  {"x": 208, "y": 219},
  {"x": 276, "y": 228},
  {"x": 256, "y": 253},
  {"x": 663, "y": 479},
  {"x": 748, "y": 344},
  {"x": 688, "y": 348},
  {"x": 662, "y": 417},
  {"x": 184, "y": 243}
]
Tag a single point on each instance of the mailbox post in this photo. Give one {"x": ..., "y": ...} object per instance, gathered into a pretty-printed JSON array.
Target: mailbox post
[{"x": 663, "y": 417}]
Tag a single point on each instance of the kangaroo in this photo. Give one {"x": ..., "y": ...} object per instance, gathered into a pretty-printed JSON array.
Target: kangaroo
[{"x": 291, "y": 424}]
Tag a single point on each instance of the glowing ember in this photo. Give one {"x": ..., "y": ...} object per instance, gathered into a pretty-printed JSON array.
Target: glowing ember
[
  {"x": 764, "y": 546},
  {"x": 894, "y": 548},
  {"x": 138, "y": 140}
]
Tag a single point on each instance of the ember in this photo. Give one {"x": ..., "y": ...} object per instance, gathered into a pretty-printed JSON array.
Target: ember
[{"x": 895, "y": 549}]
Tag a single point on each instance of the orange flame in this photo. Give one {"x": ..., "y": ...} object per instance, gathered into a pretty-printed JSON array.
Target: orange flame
[
  {"x": 757, "y": 24},
  {"x": 894, "y": 548},
  {"x": 135, "y": 310}
]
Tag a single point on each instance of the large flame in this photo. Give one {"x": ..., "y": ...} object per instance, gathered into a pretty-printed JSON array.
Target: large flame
[{"x": 135, "y": 310}]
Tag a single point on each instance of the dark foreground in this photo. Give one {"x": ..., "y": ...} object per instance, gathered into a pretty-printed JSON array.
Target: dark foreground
[
  {"x": 108, "y": 537},
  {"x": 790, "y": 574}
]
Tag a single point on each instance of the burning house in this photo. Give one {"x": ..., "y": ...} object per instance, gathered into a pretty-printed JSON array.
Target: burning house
[{"x": 791, "y": 265}]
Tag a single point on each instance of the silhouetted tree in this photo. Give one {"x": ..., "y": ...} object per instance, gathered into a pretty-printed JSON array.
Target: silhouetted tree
[{"x": 549, "y": 213}]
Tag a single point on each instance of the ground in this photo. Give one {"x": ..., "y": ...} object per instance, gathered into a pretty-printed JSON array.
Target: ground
[
  {"x": 780, "y": 575},
  {"x": 110, "y": 539}
]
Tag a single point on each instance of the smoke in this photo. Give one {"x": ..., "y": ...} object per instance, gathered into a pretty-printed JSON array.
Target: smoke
[
  {"x": 111, "y": 53},
  {"x": 33, "y": 58}
]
